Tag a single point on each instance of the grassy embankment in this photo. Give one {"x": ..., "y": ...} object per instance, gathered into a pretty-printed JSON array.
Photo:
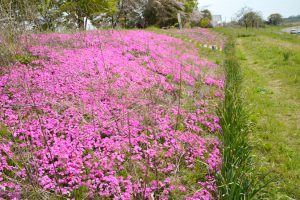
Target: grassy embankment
[{"x": 270, "y": 63}]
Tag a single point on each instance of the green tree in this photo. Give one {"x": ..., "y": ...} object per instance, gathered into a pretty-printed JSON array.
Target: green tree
[
  {"x": 275, "y": 19},
  {"x": 21, "y": 13},
  {"x": 206, "y": 14},
  {"x": 81, "y": 10},
  {"x": 251, "y": 19},
  {"x": 31, "y": 14},
  {"x": 189, "y": 6},
  {"x": 205, "y": 19},
  {"x": 49, "y": 15}
]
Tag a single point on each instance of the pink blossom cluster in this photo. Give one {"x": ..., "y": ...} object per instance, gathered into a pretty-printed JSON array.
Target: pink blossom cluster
[
  {"x": 201, "y": 35},
  {"x": 111, "y": 112},
  {"x": 212, "y": 81}
]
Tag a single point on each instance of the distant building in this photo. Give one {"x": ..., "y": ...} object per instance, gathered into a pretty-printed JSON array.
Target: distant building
[{"x": 216, "y": 20}]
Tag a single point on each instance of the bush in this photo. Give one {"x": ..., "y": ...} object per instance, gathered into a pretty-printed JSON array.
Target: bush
[{"x": 204, "y": 23}]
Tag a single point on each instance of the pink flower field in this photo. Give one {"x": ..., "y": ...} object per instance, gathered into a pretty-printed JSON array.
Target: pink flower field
[
  {"x": 110, "y": 115},
  {"x": 203, "y": 36}
]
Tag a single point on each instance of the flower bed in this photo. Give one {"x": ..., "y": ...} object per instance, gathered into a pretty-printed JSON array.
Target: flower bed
[{"x": 110, "y": 114}]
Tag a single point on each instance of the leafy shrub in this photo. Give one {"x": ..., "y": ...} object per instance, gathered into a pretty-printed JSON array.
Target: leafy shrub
[{"x": 204, "y": 23}]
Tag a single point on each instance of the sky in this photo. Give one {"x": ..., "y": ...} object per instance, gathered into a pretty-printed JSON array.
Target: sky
[{"x": 228, "y": 8}]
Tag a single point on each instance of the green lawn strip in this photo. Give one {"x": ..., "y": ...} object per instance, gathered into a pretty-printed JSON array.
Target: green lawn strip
[
  {"x": 271, "y": 69},
  {"x": 237, "y": 178}
]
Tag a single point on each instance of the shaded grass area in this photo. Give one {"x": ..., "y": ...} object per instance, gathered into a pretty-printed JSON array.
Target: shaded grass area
[{"x": 270, "y": 62}]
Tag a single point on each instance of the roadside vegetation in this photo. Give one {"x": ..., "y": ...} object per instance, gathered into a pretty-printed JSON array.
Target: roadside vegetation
[
  {"x": 237, "y": 178},
  {"x": 270, "y": 64}
]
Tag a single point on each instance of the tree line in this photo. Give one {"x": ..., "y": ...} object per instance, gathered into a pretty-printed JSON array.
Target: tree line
[
  {"x": 57, "y": 14},
  {"x": 249, "y": 18}
]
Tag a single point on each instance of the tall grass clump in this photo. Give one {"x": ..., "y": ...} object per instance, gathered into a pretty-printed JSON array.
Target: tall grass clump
[
  {"x": 286, "y": 55},
  {"x": 237, "y": 178}
]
